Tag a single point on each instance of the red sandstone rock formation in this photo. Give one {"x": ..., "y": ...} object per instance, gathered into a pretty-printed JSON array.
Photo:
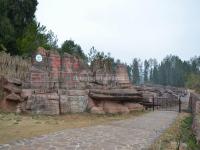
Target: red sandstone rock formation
[
  {"x": 97, "y": 110},
  {"x": 134, "y": 106},
  {"x": 122, "y": 76},
  {"x": 11, "y": 94},
  {"x": 114, "y": 108},
  {"x": 59, "y": 84}
]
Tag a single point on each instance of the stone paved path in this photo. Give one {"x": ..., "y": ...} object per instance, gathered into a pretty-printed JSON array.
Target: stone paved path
[{"x": 132, "y": 134}]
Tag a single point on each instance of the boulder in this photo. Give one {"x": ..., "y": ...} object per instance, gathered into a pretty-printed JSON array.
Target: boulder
[
  {"x": 100, "y": 104},
  {"x": 90, "y": 103},
  {"x": 13, "y": 97},
  {"x": 114, "y": 108},
  {"x": 97, "y": 110},
  {"x": 134, "y": 106}
]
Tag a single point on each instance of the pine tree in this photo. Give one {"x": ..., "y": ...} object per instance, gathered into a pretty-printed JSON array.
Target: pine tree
[
  {"x": 146, "y": 71},
  {"x": 135, "y": 71}
]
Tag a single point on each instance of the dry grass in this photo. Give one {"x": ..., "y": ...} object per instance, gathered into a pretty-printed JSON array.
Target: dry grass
[
  {"x": 13, "y": 127},
  {"x": 14, "y": 66},
  {"x": 170, "y": 138}
]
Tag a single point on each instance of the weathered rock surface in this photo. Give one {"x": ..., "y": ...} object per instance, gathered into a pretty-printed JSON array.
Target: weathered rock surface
[
  {"x": 78, "y": 103},
  {"x": 122, "y": 76},
  {"x": 114, "y": 108},
  {"x": 72, "y": 102},
  {"x": 134, "y": 106},
  {"x": 11, "y": 94},
  {"x": 13, "y": 81},
  {"x": 97, "y": 110},
  {"x": 13, "y": 97},
  {"x": 76, "y": 92},
  {"x": 26, "y": 93},
  {"x": 12, "y": 89},
  {"x": 40, "y": 104},
  {"x": 52, "y": 96},
  {"x": 65, "y": 104},
  {"x": 90, "y": 103}
]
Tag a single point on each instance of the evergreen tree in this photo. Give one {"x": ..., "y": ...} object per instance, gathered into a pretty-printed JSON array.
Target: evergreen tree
[
  {"x": 74, "y": 49},
  {"x": 101, "y": 62},
  {"x": 34, "y": 36},
  {"x": 135, "y": 71},
  {"x": 15, "y": 16},
  {"x": 151, "y": 75},
  {"x": 155, "y": 75},
  {"x": 146, "y": 71}
]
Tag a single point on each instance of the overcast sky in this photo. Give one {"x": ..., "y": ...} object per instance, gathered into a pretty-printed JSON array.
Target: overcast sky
[{"x": 126, "y": 28}]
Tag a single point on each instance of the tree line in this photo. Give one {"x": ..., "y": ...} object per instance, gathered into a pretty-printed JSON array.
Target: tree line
[{"x": 170, "y": 71}]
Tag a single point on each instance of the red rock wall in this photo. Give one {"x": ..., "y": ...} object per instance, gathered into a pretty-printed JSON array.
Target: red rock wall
[
  {"x": 122, "y": 76},
  {"x": 39, "y": 80},
  {"x": 11, "y": 94},
  {"x": 65, "y": 71},
  {"x": 55, "y": 71},
  {"x": 54, "y": 66}
]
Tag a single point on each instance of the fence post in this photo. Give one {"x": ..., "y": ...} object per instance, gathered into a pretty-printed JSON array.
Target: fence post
[
  {"x": 153, "y": 103},
  {"x": 179, "y": 100}
]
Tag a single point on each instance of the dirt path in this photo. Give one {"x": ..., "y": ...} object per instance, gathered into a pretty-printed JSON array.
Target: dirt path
[{"x": 132, "y": 134}]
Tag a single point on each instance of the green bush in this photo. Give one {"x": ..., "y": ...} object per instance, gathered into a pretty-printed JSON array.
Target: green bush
[
  {"x": 186, "y": 134},
  {"x": 193, "y": 82}
]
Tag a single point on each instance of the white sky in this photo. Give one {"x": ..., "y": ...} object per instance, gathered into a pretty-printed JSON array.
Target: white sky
[{"x": 126, "y": 28}]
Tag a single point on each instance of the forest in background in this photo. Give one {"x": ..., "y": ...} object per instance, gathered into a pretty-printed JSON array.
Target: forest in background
[
  {"x": 170, "y": 71},
  {"x": 21, "y": 34}
]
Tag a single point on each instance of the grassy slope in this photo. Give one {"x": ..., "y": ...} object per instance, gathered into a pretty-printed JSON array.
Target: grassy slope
[{"x": 179, "y": 132}]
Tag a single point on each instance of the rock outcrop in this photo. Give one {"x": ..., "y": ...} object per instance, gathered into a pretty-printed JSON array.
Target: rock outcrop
[
  {"x": 59, "y": 84},
  {"x": 97, "y": 110},
  {"x": 114, "y": 101},
  {"x": 114, "y": 108},
  {"x": 134, "y": 106},
  {"x": 43, "y": 104},
  {"x": 11, "y": 94},
  {"x": 73, "y": 101},
  {"x": 122, "y": 77}
]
